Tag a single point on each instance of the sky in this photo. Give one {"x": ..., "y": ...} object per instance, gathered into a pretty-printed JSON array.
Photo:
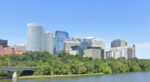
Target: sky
[{"x": 102, "y": 19}]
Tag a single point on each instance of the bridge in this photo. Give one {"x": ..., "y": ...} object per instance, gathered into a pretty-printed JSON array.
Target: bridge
[{"x": 15, "y": 68}]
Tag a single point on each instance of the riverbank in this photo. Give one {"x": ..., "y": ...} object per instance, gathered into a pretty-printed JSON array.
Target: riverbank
[{"x": 52, "y": 76}]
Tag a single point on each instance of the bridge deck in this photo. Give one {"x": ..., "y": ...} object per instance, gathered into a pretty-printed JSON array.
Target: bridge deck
[{"x": 15, "y": 68}]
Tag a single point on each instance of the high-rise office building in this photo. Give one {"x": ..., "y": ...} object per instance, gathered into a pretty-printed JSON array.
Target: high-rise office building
[
  {"x": 3, "y": 43},
  {"x": 60, "y": 37},
  {"x": 49, "y": 44},
  {"x": 69, "y": 43},
  {"x": 120, "y": 52},
  {"x": 35, "y": 37},
  {"x": 75, "y": 38},
  {"x": 86, "y": 41},
  {"x": 118, "y": 43},
  {"x": 97, "y": 43}
]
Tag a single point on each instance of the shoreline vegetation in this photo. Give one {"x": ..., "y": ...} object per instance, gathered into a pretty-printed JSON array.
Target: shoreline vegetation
[
  {"x": 53, "y": 76},
  {"x": 64, "y": 64}
]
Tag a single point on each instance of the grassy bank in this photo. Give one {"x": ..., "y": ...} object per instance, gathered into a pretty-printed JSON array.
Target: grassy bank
[{"x": 51, "y": 76}]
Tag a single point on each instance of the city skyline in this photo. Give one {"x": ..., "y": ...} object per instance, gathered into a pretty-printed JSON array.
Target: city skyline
[{"x": 107, "y": 20}]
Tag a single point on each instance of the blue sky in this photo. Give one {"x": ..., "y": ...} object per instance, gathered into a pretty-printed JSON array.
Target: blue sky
[{"x": 103, "y": 19}]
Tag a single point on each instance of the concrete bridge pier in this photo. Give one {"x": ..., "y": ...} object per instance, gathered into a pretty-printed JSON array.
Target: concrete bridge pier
[
  {"x": 14, "y": 75},
  {"x": 9, "y": 75}
]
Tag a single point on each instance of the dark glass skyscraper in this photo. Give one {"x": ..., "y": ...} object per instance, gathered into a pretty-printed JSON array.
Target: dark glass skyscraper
[
  {"x": 3, "y": 42},
  {"x": 60, "y": 37}
]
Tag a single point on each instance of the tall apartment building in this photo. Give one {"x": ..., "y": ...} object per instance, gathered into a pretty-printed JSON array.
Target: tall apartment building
[
  {"x": 116, "y": 52},
  {"x": 130, "y": 51},
  {"x": 120, "y": 52},
  {"x": 49, "y": 42},
  {"x": 35, "y": 37},
  {"x": 118, "y": 43},
  {"x": 60, "y": 37},
  {"x": 3, "y": 42}
]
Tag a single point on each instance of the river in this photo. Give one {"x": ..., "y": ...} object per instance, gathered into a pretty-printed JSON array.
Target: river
[{"x": 127, "y": 77}]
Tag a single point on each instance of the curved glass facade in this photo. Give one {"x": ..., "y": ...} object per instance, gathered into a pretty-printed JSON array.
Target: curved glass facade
[
  {"x": 85, "y": 42},
  {"x": 60, "y": 37},
  {"x": 35, "y": 37},
  {"x": 75, "y": 38}
]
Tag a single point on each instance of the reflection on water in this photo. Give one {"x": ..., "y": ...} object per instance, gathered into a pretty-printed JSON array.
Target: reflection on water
[
  {"x": 128, "y": 77},
  {"x": 14, "y": 79}
]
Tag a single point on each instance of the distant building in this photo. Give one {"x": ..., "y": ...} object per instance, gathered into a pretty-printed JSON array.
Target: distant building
[
  {"x": 97, "y": 43},
  {"x": 60, "y": 37},
  {"x": 134, "y": 50},
  {"x": 10, "y": 50},
  {"x": 69, "y": 43},
  {"x": 94, "y": 52},
  {"x": 75, "y": 38},
  {"x": 21, "y": 47},
  {"x": 120, "y": 52},
  {"x": 49, "y": 44},
  {"x": 131, "y": 51},
  {"x": 73, "y": 52},
  {"x": 78, "y": 48},
  {"x": 86, "y": 41},
  {"x": 35, "y": 37},
  {"x": 109, "y": 54},
  {"x": 3, "y": 42},
  {"x": 118, "y": 43}
]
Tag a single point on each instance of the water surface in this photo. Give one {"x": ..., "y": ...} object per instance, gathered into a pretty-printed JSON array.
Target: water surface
[{"x": 128, "y": 77}]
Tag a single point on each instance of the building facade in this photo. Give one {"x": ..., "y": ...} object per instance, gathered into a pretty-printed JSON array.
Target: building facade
[
  {"x": 35, "y": 37},
  {"x": 3, "y": 42},
  {"x": 49, "y": 44},
  {"x": 79, "y": 49},
  {"x": 97, "y": 43},
  {"x": 85, "y": 42},
  {"x": 60, "y": 37},
  {"x": 94, "y": 53},
  {"x": 69, "y": 43},
  {"x": 123, "y": 51},
  {"x": 73, "y": 52},
  {"x": 21, "y": 47},
  {"x": 131, "y": 51},
  {"x": 10, "y": 50},
  {"x": 118, "y": 43}
]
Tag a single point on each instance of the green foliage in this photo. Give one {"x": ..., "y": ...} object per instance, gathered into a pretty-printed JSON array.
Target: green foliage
[{"x": 64, "y": 64}]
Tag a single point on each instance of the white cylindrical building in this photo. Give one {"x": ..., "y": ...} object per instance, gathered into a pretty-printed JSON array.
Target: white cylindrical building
[
  {"x": 35, "y": 37},
  {"x": 49, "y": 42}
]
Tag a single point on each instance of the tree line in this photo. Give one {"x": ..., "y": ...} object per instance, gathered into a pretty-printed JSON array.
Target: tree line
[{"x": 64, "y": 64}]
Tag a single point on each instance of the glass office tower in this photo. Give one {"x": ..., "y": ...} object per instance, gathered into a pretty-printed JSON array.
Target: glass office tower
[
  {"x": 86, "y": 41},
  {"x": 35, "y": 37},
  {"x": 60, "y": 37},
  {"x": 75, "y": 38}
]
